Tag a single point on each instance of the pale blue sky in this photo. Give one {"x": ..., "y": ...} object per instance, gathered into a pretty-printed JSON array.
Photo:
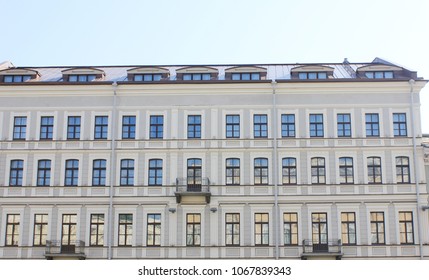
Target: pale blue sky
[{"x": 130, "y": 32}]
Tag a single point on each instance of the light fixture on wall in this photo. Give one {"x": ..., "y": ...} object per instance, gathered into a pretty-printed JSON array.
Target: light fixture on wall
[
  {"x": 172, "y": 210},
  {"x": 426, "y": 207},
  {"x": 213, "y": 209}
]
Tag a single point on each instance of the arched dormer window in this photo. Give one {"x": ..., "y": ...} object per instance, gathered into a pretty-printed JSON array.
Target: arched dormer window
[
  {"x": 83, "y": 75},
  {"x": 246, "y": 73},
  {"x": 378, "y": 71},
  {"x": 312, "y": 72},
  {"x": 196, "y": 73},
  {"x": 18, "y": 75},
  {"x": 148, "y": 74}
]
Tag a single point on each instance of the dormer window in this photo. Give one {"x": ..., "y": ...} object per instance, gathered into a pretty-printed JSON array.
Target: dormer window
[
  {"x": 83, "y": 75},
  {"x": 196, "y": 73},
  {"x": 148, "y": 74},
  {"x": 312, "y": 75},
  {"x": 312, "y": 72},
  {"x": 246, "y": 73},
  {"x": 379, "y": 74},
  {"x": 18, "y": 75}
]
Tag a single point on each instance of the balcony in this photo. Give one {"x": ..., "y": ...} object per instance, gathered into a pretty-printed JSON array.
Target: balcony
[
  {"x": 192, "y": 190},
  {"x": 330, "y": 249},
  {"x": 56, "y": 250}
]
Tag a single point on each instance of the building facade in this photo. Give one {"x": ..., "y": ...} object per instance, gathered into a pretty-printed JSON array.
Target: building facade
[{"x": 287, "y": 161}]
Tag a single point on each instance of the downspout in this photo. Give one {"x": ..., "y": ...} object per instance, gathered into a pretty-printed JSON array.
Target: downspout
[
  {"x": 416, "y": 166},
  {"x": 112, "y": 173},
  {"x": 275, "y": 173}
]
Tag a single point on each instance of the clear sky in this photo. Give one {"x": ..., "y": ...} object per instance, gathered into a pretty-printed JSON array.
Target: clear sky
[{"x": 139, "y": 32}]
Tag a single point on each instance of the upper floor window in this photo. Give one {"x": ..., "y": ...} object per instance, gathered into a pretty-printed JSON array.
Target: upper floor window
[
  {"x": 128, "y": 127},
  {"x": 288, "y": 125},
  {"x": 197, "y": 77},
  {"x": 97, "y": 230},
  {"x": 40, "y": 229},
  {"x": 232, "y": 126},
  {"x": 73, "y": 128},
  {"x": 374, "y": 170},
  {"x": 101, "y": 127},
  {"x": 316, "y": 125},
  {"x": 72, "y": 171},
  {"x": 16, "y": 78},
  {"x": 399, "y": 124},
  {"x": 12, "y": 229},
  {"x": 289, "y": 171},
  {"x": 156, "y": 127},
  {"x": 379, "y": 74},
  {"x": 348, "y": 228},
  {"x": 377, "y": 228},
  {"x": 406, "y": 227},
  {"x": 125, "y": 234},
  {"x": 153, "y": 230},
  {"x": 260, "y": 126},
  {"x": 19, "y": 128},
  {"x": 81, "y": 78},
  {"x": 318, "y": 172},
  {"x": 127, "y": 172},
  {"x": 16, "y": 172},
  {"x": 147, "y": 77},
  {"x": 262, "y": 229},
  {"x": 312, "y": 75},
  {"x": 193, "y": 229},
  {"x": 344, "y": 125},
  {"x": 46, "y": 128},
  {"x": 44, "y": 172},
  {"x": 245, "y": 76},
  {"x": 99, "y": 172},
  {"x": 402, "y": 170},
  {"x": 261, "y": 171},
  {"x": 232, "y": 229},
  {"x": 346, "y": 170},
  {"x": 233, "y": 171},
  {"x": 290, "y": 228},
  {"x": 194, "y": 127},
  {"x": 155, "y": 172},
  {"x": 372, "y": 124}
]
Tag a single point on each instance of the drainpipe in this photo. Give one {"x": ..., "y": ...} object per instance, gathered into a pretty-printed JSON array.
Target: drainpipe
[
  {"x": 275, "y": 173},
  {"x": 112, "y": 174},
  {"x": 416, "y": 166}
]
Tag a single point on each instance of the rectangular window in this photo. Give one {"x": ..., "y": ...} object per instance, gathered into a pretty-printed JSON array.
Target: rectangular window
[
  {"x": 316, "y": 125},
  {"x": 290, "y": 228},
  {"x": 319, "y": 232},
  {"x": 399, "y": 124},
  {"x": 288, "y": 125},
  {"x": 101, "y": 127},
  {"x": 46, "y": 128},
  {"x": 19, "y": 128},
  {"x": 155, "y": 172},
  {"x": 153, "y": 229},
  {"x": 379, "y": 74},
  {"x": 374, "y": 170},
  {"x": 156, "y": 127},
  {"x": 261, "y": 229},
  {"x": 197, "y": 77},
  {"x": 245, "y": 76},
  {"x": 129, "y": 127},
  {"x": 318, "y": 172},
  {"x": 40, "y": 229},
  {"x": 127, "y": 172},
  {"x": 99, "y": 172},
  {"x": 16, "y": 78},
  {"x": 125, "y": 234},
  {"x": 12, "y": 229},
  {"x": 97, "y": 230},
  {"x": 346, "y": 170},
  {"x": 402, "y": 170},
  {"x": 406, "y": 227},
  {"x": 289, "y": 171},
  {"x": 232, "y": 229},
  {"x": 260, "y": 126},
  {"x": 232, "y": 126},
  {"x": 193, "y": 229},
  {"x": 68, "y": 234},
  {"x": 147, "y": 77},
  {"x": 348, "y": 228},
  {"x": 72, "y": 172},
  {"x": 44, "y": 173},
  {"x": 16, "y": 172},
  {"x": 312, "y": 75},
  {"x": 372, "y": 125},
  {"x": 344, "y": 125},
  {"x": 261, "y": 171},
  {"x": 81, "y": 78},
  {"x": 233, "y": 171},
  {"x": 377, "y": 228},
  {"x": 194, "y": 127},
  {"x": 73, "y": 128}
]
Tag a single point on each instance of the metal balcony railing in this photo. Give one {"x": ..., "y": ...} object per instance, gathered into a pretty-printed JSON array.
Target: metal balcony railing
[
  {"x": 192, "y": 184},
  {"x": 328, "y": 247},
  {"x": 56, "y": 248}
]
